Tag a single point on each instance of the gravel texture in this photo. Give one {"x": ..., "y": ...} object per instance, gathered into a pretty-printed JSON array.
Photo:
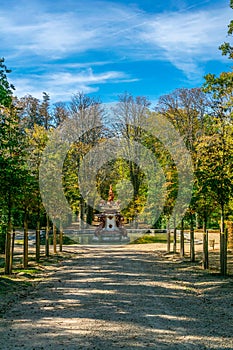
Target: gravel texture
[{"x": 122, "y": 297}]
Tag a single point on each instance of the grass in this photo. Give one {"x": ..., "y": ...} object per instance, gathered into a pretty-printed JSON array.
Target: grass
[
  {"x": 8, "y": 284},
  {"x": 29, "y": 271},
  {"x": 11, "y": 289},
  {"x": 66, "y": 241},
  {"x": 69, "y": 241},
  {"x": 19, "y": 241},
  {"x": 13, "y": 286},
  {"x": 157, "y": 238},
  {"x": 54, "y": 258}
]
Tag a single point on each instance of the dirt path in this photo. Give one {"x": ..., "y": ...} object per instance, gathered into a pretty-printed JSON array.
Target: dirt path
[{"x": 122, "y": 298}]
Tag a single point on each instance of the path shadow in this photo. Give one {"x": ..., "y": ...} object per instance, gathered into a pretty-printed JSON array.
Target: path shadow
[{"x": 121, "y": 299}]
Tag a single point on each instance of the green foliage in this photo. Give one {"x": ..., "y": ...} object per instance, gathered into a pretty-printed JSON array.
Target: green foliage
[
  {"x": 215, "y": 151},
  {"x": 157, "y": 238},
  {"x": 226, "y": 47},
  {"x": 203, "y": 118},
  {"x": 66, "y": 240},
  {"x": 12, "y": 163},
  {"x": 6, "y": 89},
  {"x": 69, "y": 241}
]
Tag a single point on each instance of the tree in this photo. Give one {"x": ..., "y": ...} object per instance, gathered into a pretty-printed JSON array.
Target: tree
[
  {"x": 226, "y": 47},
  {"x": 60, "y": 113},
  {"x": 11, "y": 168},
  {"x": 219, "y": 143},
  {"x": 130, "y": 114},
  {"x": 186, "y": 109},
  {"x": 218, "y": 147},
  {"x": 29, "y": 112},
  {"x": 87, "y": 114},
  {"x": 6, "y": 88},
  {"x": 45, "y": 112},
  {"x": 36, "y": 139}
]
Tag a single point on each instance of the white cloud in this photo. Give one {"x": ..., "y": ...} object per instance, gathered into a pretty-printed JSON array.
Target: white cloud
[
  {"x": 58, "y": 34},
  {"x": 63, "y": 85},
  {"x": 112, "y": 27},
  {"x": 50, "y": 35},
  {"x": 185, "y": 39},
  {"x": 35, "y": 34},
  {"x": 87, "y": 77}
]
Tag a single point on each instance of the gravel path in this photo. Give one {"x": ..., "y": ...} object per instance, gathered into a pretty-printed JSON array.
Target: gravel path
[{"x": 122, "y": 297}]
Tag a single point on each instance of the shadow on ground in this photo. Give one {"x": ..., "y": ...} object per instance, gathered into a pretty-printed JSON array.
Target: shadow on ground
[{"x": 118, "y": 298}]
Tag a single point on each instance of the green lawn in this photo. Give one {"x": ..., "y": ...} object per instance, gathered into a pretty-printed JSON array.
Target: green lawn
[{"x": 157, "y": 238}]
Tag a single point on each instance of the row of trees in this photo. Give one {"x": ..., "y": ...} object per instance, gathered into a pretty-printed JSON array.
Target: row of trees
[{"x": 201, "y": 116}]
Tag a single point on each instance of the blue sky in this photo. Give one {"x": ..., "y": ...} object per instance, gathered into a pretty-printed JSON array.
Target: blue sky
[{"x": 105, "y": 48}]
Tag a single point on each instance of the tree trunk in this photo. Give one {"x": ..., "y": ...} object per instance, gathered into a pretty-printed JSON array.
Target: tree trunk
[
  {"x": 135, "y": 221},
  {"x": 168, "y": 237},
  {"x": 25, "y": 241},
  {"x": 47, "y": 237},
  {"x": 182, "y": 239},
  {"x": 205, "y": 261},
  {"x": 192, "y": 245},
  {"x": 82, "y": 211},
  {"x": 54, "y": 239},
  {"x": 174, "y": 240},
  {"x": 8, "y": 239},
  {"x": 12, "y": 249},
  {"x": 61, "y": 237},
  {"x": 89, "y": 214},
  {"x": 223, "y": 244},
  {"x": 38, "y": 241},
  {"x": 8, "y": 248}
]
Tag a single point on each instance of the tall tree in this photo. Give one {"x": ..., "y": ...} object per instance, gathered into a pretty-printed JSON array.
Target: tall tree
[
  {"x": 36, "y": 139},
  {"x": 87, "y": 114},
  {"x": 186, "y": 110},
  {"x": 45, "y": 112},
  {"x": 10, "y": 155},
  {"x": 130, "y": 114},
  {"x": 6, "y": 88},
  {"x": 226, "y": 47},
  {"x": 11, "y": 168},
  {"x": 60, "y": 113},
  {"x": 29, "y": 111},
  {"x": 219, "y": 147}
]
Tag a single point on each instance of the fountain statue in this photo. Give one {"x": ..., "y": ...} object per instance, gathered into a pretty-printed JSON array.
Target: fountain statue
[{"x": 111, "y": 228}]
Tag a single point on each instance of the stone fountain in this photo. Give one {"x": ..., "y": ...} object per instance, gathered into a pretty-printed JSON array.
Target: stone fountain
[{"x": 111, "y": 227}]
